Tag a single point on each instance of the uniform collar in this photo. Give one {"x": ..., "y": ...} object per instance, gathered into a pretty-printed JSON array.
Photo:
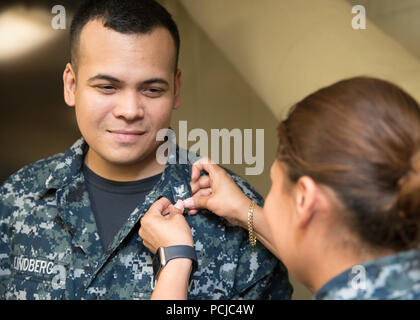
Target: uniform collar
[
  {"x": 68, "y": 166},
  {"x": 64, "y": 168},
  {"x": 397, "y": 266}
]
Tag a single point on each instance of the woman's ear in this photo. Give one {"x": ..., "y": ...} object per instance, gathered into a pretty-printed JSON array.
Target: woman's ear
[
  {"x": 306, "y": 197},
  {"x": 69, "y": 79}
]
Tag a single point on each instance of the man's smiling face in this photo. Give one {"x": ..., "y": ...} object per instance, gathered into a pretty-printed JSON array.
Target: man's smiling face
[{"x": 124, "y": 92}]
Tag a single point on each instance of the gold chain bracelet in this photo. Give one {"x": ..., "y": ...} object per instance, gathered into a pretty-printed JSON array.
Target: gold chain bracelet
[{"x": 252, "y": 237}]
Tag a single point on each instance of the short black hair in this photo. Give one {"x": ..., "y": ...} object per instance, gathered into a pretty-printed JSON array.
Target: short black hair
[{"x": 124, "y": 16}]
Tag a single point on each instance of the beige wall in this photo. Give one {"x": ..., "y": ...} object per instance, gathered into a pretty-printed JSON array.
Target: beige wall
[
  {"x": 287, "y": 49},
  {"x": 399, "y": 19}
]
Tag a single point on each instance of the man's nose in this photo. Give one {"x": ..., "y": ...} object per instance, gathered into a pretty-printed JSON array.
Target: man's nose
[{"x": 129, "y": 106}]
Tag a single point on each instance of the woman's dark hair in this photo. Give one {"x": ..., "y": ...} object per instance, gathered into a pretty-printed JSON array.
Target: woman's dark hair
[
  {"x": 361, "y": 137},
  {"x": 124, "y": 16}
]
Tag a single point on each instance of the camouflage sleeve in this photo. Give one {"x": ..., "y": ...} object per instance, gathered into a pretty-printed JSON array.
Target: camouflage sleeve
[
  {"x": 260, "y": 275},
  {"x": 275, "y": 286},
  {"x": 4, "y": 247}
]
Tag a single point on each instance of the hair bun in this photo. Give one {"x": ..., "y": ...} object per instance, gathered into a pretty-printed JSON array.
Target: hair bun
[{"x": 409, "y": 196}]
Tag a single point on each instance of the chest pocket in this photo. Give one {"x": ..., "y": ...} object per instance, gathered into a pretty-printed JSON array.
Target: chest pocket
[
  {"x": 26, "y": 287},
  {"x": 35, "y": 278}
]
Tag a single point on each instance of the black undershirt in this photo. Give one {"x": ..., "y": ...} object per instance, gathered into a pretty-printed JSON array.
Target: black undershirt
[{"x": 113, "y": 201}]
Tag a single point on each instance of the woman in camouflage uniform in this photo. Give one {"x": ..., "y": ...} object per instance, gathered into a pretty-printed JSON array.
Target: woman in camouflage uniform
[{"x": 343, "y": 211}]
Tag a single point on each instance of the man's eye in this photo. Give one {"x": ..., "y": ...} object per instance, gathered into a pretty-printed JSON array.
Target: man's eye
[
  {"x": 107, "y": 88},
  {"x": 153, "y": 92}
]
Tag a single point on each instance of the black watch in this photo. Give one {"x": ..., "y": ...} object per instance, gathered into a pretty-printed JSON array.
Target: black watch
[{"x": 164, "y": 254}]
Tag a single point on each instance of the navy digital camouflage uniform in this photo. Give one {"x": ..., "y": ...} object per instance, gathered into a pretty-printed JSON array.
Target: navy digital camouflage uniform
[
  {"x": 391, "y": 277},
  {"x": 50, "y": 247}
]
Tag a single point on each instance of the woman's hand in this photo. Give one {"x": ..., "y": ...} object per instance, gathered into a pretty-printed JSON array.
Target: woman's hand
[
  {"x": 217, "y": 192},
  {"x": 163, "y": 225}
]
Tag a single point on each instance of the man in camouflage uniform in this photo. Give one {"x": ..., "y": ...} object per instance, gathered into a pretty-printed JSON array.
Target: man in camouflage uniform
[{"x": 51, "y": 246}]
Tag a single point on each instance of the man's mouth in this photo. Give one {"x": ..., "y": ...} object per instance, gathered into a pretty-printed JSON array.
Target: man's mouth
[{"x": 126, "y": 136}]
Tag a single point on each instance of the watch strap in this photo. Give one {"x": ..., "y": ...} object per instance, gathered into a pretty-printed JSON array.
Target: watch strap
[
  {"x": 165, "y": 254},
  {"x": 180, "y": 251}
]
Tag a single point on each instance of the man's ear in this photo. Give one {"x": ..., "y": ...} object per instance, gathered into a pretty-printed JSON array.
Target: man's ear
[
  {"x": 178, "y": 83},
  {"x": 69, "y": 79},
  {"x": 306, "y": 198}
]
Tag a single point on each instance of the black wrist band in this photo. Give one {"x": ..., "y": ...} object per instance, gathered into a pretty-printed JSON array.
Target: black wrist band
[
  {"x": 174, "y": 252},
  {"x": 165, "y": 254}
]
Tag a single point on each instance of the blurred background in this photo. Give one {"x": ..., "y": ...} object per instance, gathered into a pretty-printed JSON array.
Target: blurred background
[{"x": 244, "y": 63}]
